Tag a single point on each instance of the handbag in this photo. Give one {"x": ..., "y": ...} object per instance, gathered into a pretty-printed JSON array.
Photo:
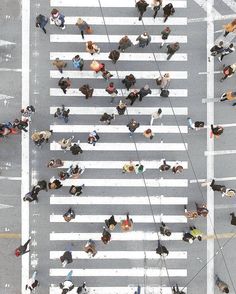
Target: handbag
[
  {"x": 158, "y": 81},
  {"x": 164, "y": 93},
  {"x": 89, "y": 30}
]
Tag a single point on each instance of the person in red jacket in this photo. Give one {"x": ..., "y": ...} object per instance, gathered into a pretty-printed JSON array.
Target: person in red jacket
[{"x": 22, "y": 249}]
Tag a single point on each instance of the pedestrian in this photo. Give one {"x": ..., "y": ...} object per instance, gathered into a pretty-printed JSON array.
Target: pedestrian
[
  {"x": 69, "y": 215},
  {"x": 54, "y": 163},
  {"x": 217, "y": 187},
  {"x": 132, "y": 125},
  {"x": 196, "y": 233},
  {"x": 197, "y": 125},
  {"x": 168, "y": 10},
  {"x": 142, "y": 7},
  {"x": 41, "y": 137},
  {"x": 129, "y": 81},
  {"x": 64, "y": 84},
  {"x": 175, "y": 290},
  {"x": 62, "y": 113},
  {"x": 78, "y": 62},
  {"x": 156, "y": 115},
  {"x": 41, "y": 22},
  {"x": 127, "y": 224},
  {"x": 121, "y": 107},
  {"x": 139, "y": 168},
  {"x": 33, "y": 194},
  {"x": 92, "y": 48},
  {"x": 233, "y": 219},
  {"x": 230, "y": 27},
  {"x": 172, "y": 48},
  {"x": 156, "y": 5},
  {"x": 27, "y": 112},
  {"x": 229, "y": 95},
  {"x": 228, "y": 192},
  {"x": 93, "y": 138},
  {"x": 97, "y": 66},
  {"x": 201, "y": 209},
  {"x": 83, "y": 27},
  {"x": 164, "y": 166},
  {"x": 190, "y": 213},
  {"x": 216, "y": 131},
  {"x": 76, "y": 190},
  {"x": 164, "y": 35},
  {"x": 54, "y": 184},
  {"x": 128, "y": 167},
  {"x": 163, "y": 81},
  {"x": 66, "y": 258},
  {"x": 106, "y": 236},
  {"x": 67, "y": 285},
  {"x": 217, "y": 49},
  {"x": 228, "y": 71},
  {"x": 32, "y": 283},
  {"x": 144, "y": 91},
  {"x": 107, "y": 118},
  {"x": 58, "y": 18},
  {"x": 223, "y": 287},
  {"x": 114, "y": 55},
  {"x": 87, "y": 91},
  {"x": 21, "y": 125},
  {"x": 124, "y": 43},
  {"x": 90, "y": 248},
  {"x": 106, "y": 74},
  {"x": 82, "y": 289},
  {"x": 22, "y": 249},
  {"x": 133, "y": 95},
  {"x": 60, "y": 64},
  {"x": 148, "y": 134},
  {"x": 164, "y": 230},
  {"x": 111, "y": 89},
  {"x": 66, "y": 143},
  {"x": 111, "y": 223},
  {"x": 161, "y": 250},
  {"x": 227, "y": 51},
  {"x": 76, "y": 149},
  {"x": 177, "y": 168},
  {"x": 144, "y": 39},
  {"x": 187, "y": 237}
]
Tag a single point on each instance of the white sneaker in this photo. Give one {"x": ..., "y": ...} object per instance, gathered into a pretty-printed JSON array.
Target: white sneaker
[{"x": 63, "y": 27}]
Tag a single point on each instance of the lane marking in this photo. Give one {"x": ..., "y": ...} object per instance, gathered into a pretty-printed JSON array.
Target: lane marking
[
  {"x": 206, "y": 73},
  {"x": 204, "y": 5},
  {"x": 4, "y": 206},
  {"x": 215, "y": 18},
  {"x": 231, "y": 4},
  {"x": 220, "y": 152},
  {"x": 10, "y": 178},
  {"x": 10, "y": 69},
  {"x": 3, "y": 97},
  {"x": 10, "y": 235},
  {"x": 217, "y": 179},
  {"x": 6, "y": 43}
]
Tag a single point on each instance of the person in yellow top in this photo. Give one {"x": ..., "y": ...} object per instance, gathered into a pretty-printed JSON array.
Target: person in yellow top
[
  {"x": 230, "y": 27},
  {"x": 229, "y": 95},
  {"x": 128, "y": 168}
]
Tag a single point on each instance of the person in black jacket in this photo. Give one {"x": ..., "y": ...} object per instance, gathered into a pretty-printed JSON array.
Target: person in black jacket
[
  {"x": 132, "y": 125},
  {"x": 76, "y": 190},
  {"x": 168, "y": 10},
  {"x": 132, "y": 97},
  {"x": 114, "y": 56},
  {"x": 76, "y": 149},
  {"x": 129, "y": 81},
  {"x": 144, "y": 91},
  {"x": 142, "y": 7},
  {"x": 41, "y": 22},
  {"x": 162, "y": 250},
  {"x": 66, "y": 258}
]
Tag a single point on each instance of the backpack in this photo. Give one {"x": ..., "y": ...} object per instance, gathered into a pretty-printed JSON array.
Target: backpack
[
  {"x": 199, "y": 124},
  {"x": 164, "y": 93}
]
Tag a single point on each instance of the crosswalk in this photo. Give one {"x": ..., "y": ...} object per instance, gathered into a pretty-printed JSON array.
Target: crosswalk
[{"x": 129, "y": 259}]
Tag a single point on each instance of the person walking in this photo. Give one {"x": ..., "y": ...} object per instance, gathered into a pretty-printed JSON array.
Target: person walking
[
  {"x": 67, "y": 285},
  {"x": 164, "y": 230},
  {"x": 82, "y": 289},
  {"x": 156, "y": 115},
  {"x": 76, "y": 190},
  {"x": 111, "y": 89},
  {"x": 22, "y": 249},
  {"x": 217, "y": 49},
  {"x": 32, "y": 283},
  {"x": 83, "y": 27},
  {"x": 78, "y": 62},
  {"x": 97, "y": 66},
  {"x": 148, "y": 134},
  {"x": 54, "y": 184},
  {"x": 106, "y": 118},
  {"x": 175, "y": 290},
  {"x": 139, "y": 168},
  {"x": 121, "y": 107},
  {"x": 106, "y": 236},
  {"x": 164, "y": 35},
  {"x": 201, "y": 209},
  {"x": 233, "y": 219},
  {"x": 66, "y": 258},
  {"x": 76, "y": 149},
  {"x": 54, "y": 163},
  {"x": 187, "y": 237},
  {"x": 92, "y": 48},
  {"x": 64, "y": 84},
  {"x": 229, "y": 95},
  {"x": 168, "y": 10},
  {"x": 156, "y": 5},
  {"x": 228, "y": 71},
  {"x": 41, "y": 136},
  {"x": 172, "y": 49},
  {"x": 223, "y": 287},
  {"x": 142, "y": 7},
  {"x": 62, "y": 113},
  {"x": 86, "y": 90},
  {"x": 191, "y": 214},
  {"x": 69, "y": 215},
  {"x": 93, "y": 138},
  {"x": 41, "y": 22},
  {"x": 132, "y": 125},
  {"x": 144, "y": 39},
  {"x": 144, "y": 91},
  {"x": 66, "y": 143},
  {"x": 27, "y": 112},
  {"x": 226, "y": 51},
  {"x": 129, "y": 81},
  {"x": 60, "y": 64},
  {"x": 161, "y": 250},
  {"x": 128, "y": 167},
  {"x": 58, "y": 18},
  {"x": 216, "y": 131},
  {"x": 177, "y": 168},
  {"x": 124, "y": 43},
  {"x": 196, "y": 233},
  {"x": 111, "y": 223},
  {"x": 126, "y": 224},
  {"x": 217, "y": 187},
  {"x": 133, "y": 95},
  {"x": 197, "y": 125},
  {"x": 114, "y": 55},
  {"x": 21, "y": 125},
  {"x": 90, "y": 248},
  {"x": 163, "y": 81},
  {"x": 164, "y": 166},
  {"x": 230, "y": 27}
]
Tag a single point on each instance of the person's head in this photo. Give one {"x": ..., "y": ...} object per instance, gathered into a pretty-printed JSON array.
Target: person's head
[
  {"x": 167, "y": 29},
  {"x": 64, "y": 291},
  {"x": 90, "y": 252},
  {"x": 167, "y": 233},
  {"x": 146, "y": 87},
  {"x": 167, "y": 75},
  {"x": 90, "y": 44},
  {"x": 199, "y": 238},
  {"x": 221, "y": 43},
  {"x": 148, "y": 131},
  {"x": 145, "y": 34},
  {"x": 159, "y": 111},
  {"x": 35, "y": 137},
  {"x": 72, "y": 189},
  {"x": 54, "y": 12},
  {"x": 77, "y": 57},
  {"x": 111, "y": 227},
  {"x": 231, "y": 45},
  {"x": 131, "y": 168},
  {"x": 226, "y": 290},
  {"x": 52, "y": 185},
  {"x": 111, "y": 84},
  {"x": 233, "y": 22},
  {"x": 80, "y": 20},
  {"x": 176, "y": 44}
]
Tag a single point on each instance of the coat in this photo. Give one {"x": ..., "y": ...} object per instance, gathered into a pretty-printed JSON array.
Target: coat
[
  {"x": 168, "y": 9},
  {"x": 86, "y": 90},
  {"x": 59, "y": 63},
  {"x": 94, "y": 48},
  {"x": 229, "y": 27},
  {"x": 230, "y": 95},
  {"x": 133, "y": 125},
  {"x": 165, "y": 34},
  {"x": 142, "y": 6},
  {"x": 114, "y": 55},
  {"x": 164, "y": 82},
  {"x": 83, "y": 26},
  {"x": 66, "y": 256},
  {"x": 221, "y": 285},
  {"x": 144, "y": 39},
  {"x": 144, "y": 92},
  {"x": 125, "y": 43},
  {"x": 41, "y": 21}
]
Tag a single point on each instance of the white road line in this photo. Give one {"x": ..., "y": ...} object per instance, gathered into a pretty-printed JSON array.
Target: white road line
[
  {"x": 132, "y": 110},
  {"x": 123, "y": 57},
  {"x": 217, "y": 179},
  {"x": 25, "y": 82},
  {"x": 144, "y": 219},
  {"x": 127, "y": 182},
  {"x": 4, "y": 206},
  {"x": 151, "y": 255},
  {"x": 76, "y": 38},
  {"x": 119, "y": 272},
  {"x": 116, "y": 129},
  {"x": 149, "y": 164},
  {"x": 128, "y": 236},
  {"x": 101, "y": 92},
  {"x": 231, "y": 4},
  {"x": 210, "y": 147},
  {"x": 11, "y": 178},
  {"x": 107, "y": 3},
  {"x": 127, "y": 147},
  {"x": 204, "y": 5},
  {"x": 88, "y": 74},
  {"x": 206, "y": 73},
  {"x": 6, "y": 43},
  {"x": 220, "y": 152},
  {"x": 129, "y": 200},
  {"x": 215, "y": 18},
  {"x": 225, "y": 206}
]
